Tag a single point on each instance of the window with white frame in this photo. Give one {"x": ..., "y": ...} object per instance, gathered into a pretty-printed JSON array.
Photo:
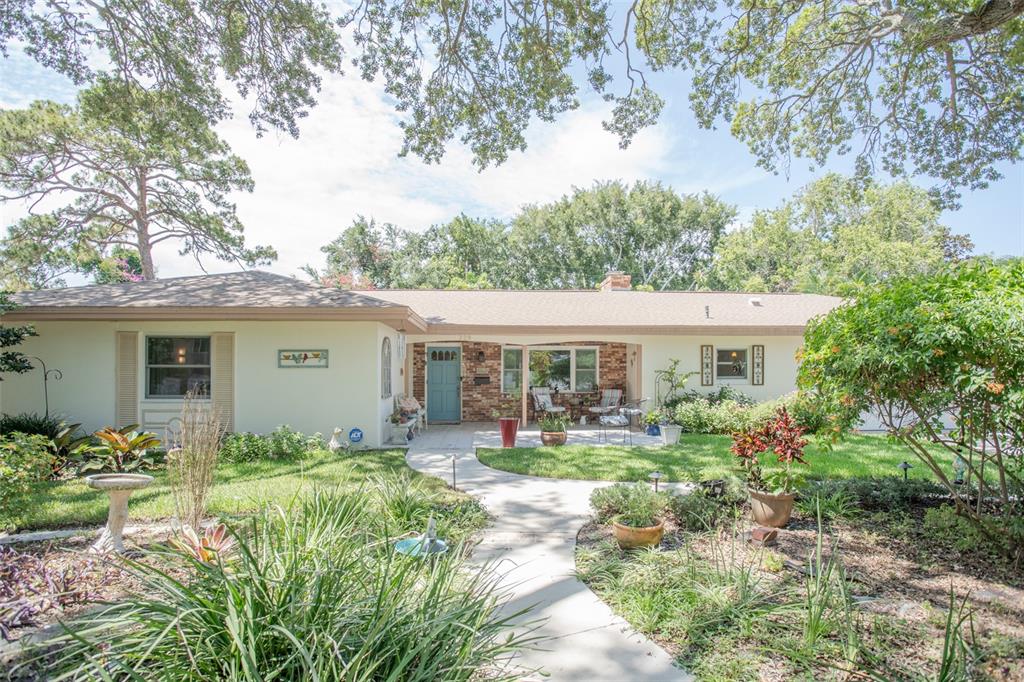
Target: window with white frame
[
  {"x": 511, "y": 370},
  {"x": 562, "y": 368},
  {"x": 176, "y": 365},
  {"x": 731, "y": 364},
  {"x": 385, "y": 368}
]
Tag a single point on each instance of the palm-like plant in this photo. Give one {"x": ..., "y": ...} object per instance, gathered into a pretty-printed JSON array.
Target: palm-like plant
[{"x": 121, "y": 450}]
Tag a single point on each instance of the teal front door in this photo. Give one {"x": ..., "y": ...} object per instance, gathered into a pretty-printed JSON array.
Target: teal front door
[{"x": 444, "y": 376}]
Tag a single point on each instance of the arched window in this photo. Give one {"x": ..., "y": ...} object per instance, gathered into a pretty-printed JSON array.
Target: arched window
[{"x": 385, "y": 368}]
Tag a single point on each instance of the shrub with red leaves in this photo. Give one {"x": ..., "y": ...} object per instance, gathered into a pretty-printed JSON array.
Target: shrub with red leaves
[{"x": 780, "y": 434}]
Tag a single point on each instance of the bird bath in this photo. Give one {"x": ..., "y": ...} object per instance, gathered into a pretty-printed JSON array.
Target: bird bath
[{"x": 119, "y": 488}]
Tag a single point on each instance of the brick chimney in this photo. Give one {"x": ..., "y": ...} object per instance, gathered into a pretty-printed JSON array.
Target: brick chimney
[{"x": 617, "y": 281}]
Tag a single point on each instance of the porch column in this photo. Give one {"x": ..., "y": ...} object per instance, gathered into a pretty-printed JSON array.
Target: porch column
[{"x": 524, "y": 384}]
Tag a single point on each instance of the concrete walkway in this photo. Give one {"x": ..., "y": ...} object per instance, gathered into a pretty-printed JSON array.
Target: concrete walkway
[{"x": 532, "y": 545}]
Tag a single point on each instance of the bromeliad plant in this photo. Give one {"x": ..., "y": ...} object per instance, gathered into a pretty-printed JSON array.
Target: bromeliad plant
[
  {"x": 782, "y": 436},
  {"x": 120, "y": 450}
]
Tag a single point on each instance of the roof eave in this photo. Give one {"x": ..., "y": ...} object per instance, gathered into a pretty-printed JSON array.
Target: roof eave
[
  {"x": 665, "y": 330},
  {"x": 399, "y": 317}
]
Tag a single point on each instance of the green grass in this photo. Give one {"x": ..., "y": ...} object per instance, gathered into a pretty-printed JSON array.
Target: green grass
[
  {"x": 696, "y": 457},
  {"x": 237, "y": 489}
]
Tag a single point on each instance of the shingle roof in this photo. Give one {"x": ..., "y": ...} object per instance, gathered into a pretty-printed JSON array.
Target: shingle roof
[
  {"x": 578, "y": 308},
  {"x": 259, "y": 295},
  {"x": 249, "y": 289}
]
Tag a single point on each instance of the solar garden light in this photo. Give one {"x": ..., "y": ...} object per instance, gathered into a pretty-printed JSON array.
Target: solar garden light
[
  {"x": 906, "y": 466},
  {"x": 453, "y": 471},
  {"x": 959, "y": 466},
  {"x": 655, "y": 476}
]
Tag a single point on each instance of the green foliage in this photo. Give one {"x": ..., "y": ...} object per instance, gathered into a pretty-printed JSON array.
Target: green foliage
[
  {"x": 631, "y": 504},
  {"x": 120, "y": 450},
  {"x": 552, "y": 422},
  {"x": 992, "y": 537},
  {"x": 31, "y": 423},
  {"x": 836, "y": 236},
  {"x": 190, "y": 50},
  {"x": 867, "y": 493},
  {"x": 658, "y": 236},
  {"x": 283, "y": 443},
  {"x": 699, "y": 510},
  {"x": 314, "y": 591},
  {"x": 124, "y": 166},
  {"x": 24, "y": 460},
  {"x": 926, "y": 347},
  {"x": 11, "y": 360}
]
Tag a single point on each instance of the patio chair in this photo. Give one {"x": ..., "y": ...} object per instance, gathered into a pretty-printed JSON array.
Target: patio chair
[
  {"x": 614, "y": 421},
  {"x": 610, "y": 399},
  {"x": 542, "y": 401}
]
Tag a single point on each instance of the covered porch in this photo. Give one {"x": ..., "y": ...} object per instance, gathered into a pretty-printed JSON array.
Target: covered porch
[{"x": 469, "y": 379}]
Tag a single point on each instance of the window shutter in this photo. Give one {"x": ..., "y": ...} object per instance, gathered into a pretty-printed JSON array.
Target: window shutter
[
  {"x": 707, "y": 366},
  {"x": 757, "y": 374},
  {"x": 222, "y": 378},
  {"x": 126, "y": 394}
]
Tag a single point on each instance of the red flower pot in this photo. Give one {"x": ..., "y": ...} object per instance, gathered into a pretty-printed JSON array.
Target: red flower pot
[{"x": 509, "y": 426}]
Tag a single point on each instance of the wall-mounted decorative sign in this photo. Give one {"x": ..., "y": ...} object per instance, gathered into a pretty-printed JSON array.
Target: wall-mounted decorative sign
[
  {"x": 707, "y": 366},
  {"x": 316, "y": 359},
  {"x": 757, "y": 379}
]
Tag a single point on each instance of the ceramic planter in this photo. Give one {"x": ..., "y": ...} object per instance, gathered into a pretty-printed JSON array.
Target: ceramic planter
[
  {"x": 508, "y": 426},
  {"x": 771, "y": 510},
  {"x": 653, "y": 430},
  {"x": 632, "y": 538},
  {"x": 553, "y": 437},
  {"x": 670, "y": 433},
  {"x": 400, "y": 433}
]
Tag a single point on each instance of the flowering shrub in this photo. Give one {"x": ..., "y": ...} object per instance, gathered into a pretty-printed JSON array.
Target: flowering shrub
[{"x": 784, "y": 437}]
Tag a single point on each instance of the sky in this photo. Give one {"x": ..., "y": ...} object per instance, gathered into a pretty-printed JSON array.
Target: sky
[{"x": 345, "y": 164}]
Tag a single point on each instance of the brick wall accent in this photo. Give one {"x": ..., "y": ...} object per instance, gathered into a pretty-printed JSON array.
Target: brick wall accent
[{"x": 479, "y": 400}]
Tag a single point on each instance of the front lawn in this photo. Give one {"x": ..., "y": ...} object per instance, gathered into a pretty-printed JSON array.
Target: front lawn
[
  {"x": 237, "y": 489},
  {"x": 697, "y": 457}
]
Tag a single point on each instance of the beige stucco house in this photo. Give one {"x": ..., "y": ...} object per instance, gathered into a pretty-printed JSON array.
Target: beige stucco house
[{"x": 273, "y": 350}]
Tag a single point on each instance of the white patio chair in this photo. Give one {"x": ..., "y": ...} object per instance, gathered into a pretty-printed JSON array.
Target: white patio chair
[
  {"x": 542, "y": 401},
  {"x": 610, "y": 399}
]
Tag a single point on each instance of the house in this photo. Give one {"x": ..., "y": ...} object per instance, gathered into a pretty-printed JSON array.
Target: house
[{"x": 271, "y": 350}]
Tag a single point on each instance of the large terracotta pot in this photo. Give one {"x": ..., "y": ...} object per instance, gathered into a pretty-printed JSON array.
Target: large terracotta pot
[
  {"x": 553, "y": 437},
  {"x": 509, "y": 426},
  {"x": 631, "y": 538},
  {"x": 771, "y": 510}
]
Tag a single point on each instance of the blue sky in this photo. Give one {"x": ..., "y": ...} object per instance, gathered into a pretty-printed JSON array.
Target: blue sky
[{"x": 345, "y": 163}]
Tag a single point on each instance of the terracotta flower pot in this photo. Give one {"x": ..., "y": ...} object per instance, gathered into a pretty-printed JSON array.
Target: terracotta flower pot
[
  {"x": 509, "y": 426},
  {"x": 553, "y": 437},
  {"x": 631, "y": 538},
  {"x": 771, "y": 510}
]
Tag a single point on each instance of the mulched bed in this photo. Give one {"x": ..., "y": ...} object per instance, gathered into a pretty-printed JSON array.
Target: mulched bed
[{"x": 903, "y": 575}]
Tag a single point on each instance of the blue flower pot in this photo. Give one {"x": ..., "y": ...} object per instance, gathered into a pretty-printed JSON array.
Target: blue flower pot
[{"x": 653, "y": 430}]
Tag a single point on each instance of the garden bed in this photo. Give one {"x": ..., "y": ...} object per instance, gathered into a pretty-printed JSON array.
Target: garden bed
[{"x": 732, "y": 611}]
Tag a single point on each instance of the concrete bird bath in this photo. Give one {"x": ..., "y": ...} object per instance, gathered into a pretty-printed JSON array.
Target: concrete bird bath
[{"x": 119, "y": 488}]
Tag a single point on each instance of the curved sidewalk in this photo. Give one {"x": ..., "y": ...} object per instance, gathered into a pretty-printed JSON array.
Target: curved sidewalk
[{"x": 532, "y": 542}]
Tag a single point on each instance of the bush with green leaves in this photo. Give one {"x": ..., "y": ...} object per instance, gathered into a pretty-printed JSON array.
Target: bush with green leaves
[
  {"x": 314, "y": 592},
  {"x": 65, "y": 439},
  {"x": 927, "y": 350},
  {"x": 886, "y": 493},
  {"x": 723, "y": 413},
  {"x": 283, "y": 443},
  {"x": 631, "y": 504},
  {"x": 24, "y": 460}
]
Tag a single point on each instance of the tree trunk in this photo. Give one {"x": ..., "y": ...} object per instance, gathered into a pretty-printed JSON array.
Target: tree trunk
[{"x": 142, "y": 231}]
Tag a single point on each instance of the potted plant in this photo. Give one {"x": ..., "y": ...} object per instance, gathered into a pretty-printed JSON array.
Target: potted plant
[
  {"x": 638, "y": 522},
  {"x": 400, "y": 427},
  {"x": 772, "y": 491},
  {"x": 553, "y": 429},
  {"x": 669, "y": 432},
  {"x": 652, "y": 421},
  {"x": 508, "y": 426}
]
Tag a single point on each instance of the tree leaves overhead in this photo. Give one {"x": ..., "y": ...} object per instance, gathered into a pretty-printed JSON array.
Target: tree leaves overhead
[
  {"x": 835, "y": 237},
  {"x": 270, "y": 50},
  {"x": 124, "y": 168},
  {"x": 932, "y": 87},
  {"x": 648, "y": 230}
]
